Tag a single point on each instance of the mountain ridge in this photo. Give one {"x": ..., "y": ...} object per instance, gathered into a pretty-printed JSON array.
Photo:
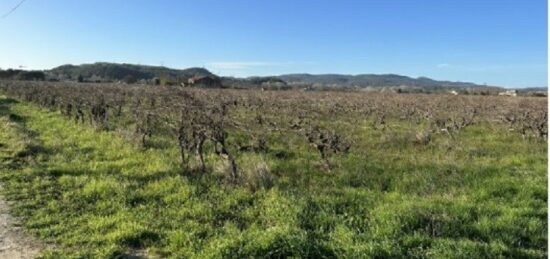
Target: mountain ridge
[
  {"x": 107, "y": 71},
  {"x": 117, "y": 71},
  {"x": 373, "y": 80}
]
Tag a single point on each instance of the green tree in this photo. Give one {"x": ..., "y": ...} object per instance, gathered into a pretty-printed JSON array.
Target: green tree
[{"x": 129, "y": 79}]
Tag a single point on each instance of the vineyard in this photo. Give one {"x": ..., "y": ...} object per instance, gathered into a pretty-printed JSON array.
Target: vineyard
[{"x": 106, "y": 170}]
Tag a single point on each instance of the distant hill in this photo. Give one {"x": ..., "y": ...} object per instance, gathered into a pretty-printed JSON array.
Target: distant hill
[
  {"x": 102, "y": 71},
  {"x": 532, "y": 89},
  {"x": 105, "y": 72},
  {"x": 375, "y": 81}
]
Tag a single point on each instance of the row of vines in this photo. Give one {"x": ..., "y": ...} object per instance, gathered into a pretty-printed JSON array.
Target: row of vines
[{"x": 202, "y": 121}]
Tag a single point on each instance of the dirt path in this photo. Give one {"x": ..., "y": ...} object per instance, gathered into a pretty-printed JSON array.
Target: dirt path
[{"x": 14, "y": 244}]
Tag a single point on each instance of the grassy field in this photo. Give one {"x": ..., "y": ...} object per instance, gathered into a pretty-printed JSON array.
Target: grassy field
[{"x": 98, "y": 194}]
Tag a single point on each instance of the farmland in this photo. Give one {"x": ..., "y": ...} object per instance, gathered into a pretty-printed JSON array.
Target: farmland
[{"x": 107, "y": 170}]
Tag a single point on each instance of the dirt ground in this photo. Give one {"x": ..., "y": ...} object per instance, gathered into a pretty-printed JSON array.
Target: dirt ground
[{"x": 14, "y": 243}]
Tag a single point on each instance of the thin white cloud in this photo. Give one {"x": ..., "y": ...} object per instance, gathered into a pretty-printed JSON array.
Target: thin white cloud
[
  {"x": 240, "y": 65},
  {"x": 443, "y": 65},
  {"x": 243, "y": 65}
]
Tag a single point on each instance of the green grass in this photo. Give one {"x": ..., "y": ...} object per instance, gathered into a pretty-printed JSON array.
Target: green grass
[{"x": 95, "y": 194}]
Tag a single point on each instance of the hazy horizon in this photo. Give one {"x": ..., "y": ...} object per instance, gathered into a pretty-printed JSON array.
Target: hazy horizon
[{"x": 498, "y": 43}]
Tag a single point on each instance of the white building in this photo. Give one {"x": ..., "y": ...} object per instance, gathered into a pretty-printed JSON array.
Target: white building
[{"x": 509, "y": 93}]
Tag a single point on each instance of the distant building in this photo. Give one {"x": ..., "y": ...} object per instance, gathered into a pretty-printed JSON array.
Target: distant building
[
  {"x": 453, "y": 92},
  {"x": 142, "y": 81},
  {"x": 509, "y": 93},
  {"x": 208, "y": 81}
]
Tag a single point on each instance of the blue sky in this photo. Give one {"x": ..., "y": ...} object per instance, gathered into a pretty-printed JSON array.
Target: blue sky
[{"x": 498, "y": 42}]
